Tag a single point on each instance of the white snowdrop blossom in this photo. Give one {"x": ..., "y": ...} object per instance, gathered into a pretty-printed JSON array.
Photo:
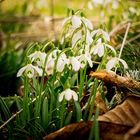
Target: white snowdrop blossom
[
  {"x": 89, "y": 39},
  {"x": 114, "y": 61},
  {"x": 68, "y": 95},
  {"x": 99, "y": 48},
  {"x": 76, "y": 21},
  {"x": 101, "y": 32},
  {"x": 29, "y": 70},
  {"x": 83, "y": 59},
  {"x": 50, "y": 66},
  {"x": 61, "y": 62},
  {"x": 38, "y": 57},
  {"x": 53, "y": 54},
  {"x": 76, "y": 37},
  {"x": 87, "y": 23},
  {"x": 74, "y": 63}
]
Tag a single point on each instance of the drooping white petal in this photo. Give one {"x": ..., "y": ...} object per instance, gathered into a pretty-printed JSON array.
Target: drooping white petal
[
  {"x": 50, "y": 67},
  {"x": 88, "y": 58},
  {"x": 20, "y": 72},
  {"x": 82, "y": 60},
  {"x": 68, "y": 94},
  {"x": 75, "y": 96},
  {"x": 89, "y": 39},
  {"x": 61, "y": 96},
  {"x": 54, "y": 53},
  {"x": 87, "y": 49},
  {"x": 87, "y": 23},
  {"x": 94, "y": 50},
  {"x": 124, "y": 63},
  {"x": 43, "y": 56},
  {"x": 60, "y": 65},
  {"x": 76, "y": 21},
  {"x": 75, "y": 63},
  {"x": 76, "y": 37},
  {"x": 32, "y": 56},
  {"x": 38, "y": 70},
  {"x": 106, "y": 35},
  {"x": 101, "y": 32},
  {"x": 38, "y": 57},
  {"x": 62, "y": 61},
  {"x": 100, "y": 50},
  {"x": 111, "y": 63}
]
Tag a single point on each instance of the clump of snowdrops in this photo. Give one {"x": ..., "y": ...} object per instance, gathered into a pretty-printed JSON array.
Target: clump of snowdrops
[{"x": 55, "y": 76}]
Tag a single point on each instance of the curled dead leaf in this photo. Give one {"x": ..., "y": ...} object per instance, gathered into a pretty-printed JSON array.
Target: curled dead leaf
[
  {"x": 126, "y": 113},
  {"x": 121, "y": 123},
  {"x": 119, "y": 81},
  {"x": 81, "y": 131}
]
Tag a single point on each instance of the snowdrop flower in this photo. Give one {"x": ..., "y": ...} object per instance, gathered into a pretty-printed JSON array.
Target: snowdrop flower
[
  {"x": 83, "y": 59},
  {"x": 87, "y": 23},
  {"x": 38, "y": 57},
  {"x": 61, "y": 62},
  {"x": 30, "y": 71},
  {"x": 53, "y": 54},
  {"x": 76, "y": 21},
  {"x": 114, "y": 61},
  {"x": 89, "y": 39},
  {"x": 76, "y": 37},
  {"x": 50, "y": 66},
  {"x": 73, "y": 61},
  {"x": 101, "y": 32},
  {"x": 99, "y": 48},
  {"x": 68, "y": 94}
]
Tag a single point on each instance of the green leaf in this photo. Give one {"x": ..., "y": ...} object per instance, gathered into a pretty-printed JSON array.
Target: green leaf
[
  {"x": 45, "y": 113},
  {"x": 78, "y": 111}
]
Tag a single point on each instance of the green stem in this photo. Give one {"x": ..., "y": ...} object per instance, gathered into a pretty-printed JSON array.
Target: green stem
[
  {"x": 93, "y": 100},
  {"x": 62, "y": 111},
  {"x": 90, "y": 97},
  {"x": 82, "y": 78},
  {"x": 26, "y": 112}
]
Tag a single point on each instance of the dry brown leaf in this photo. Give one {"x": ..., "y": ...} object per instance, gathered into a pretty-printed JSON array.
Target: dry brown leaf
[
  {"x": 126, "y": 113},
  {"x": 81, "y": 130},
  {"x": 121, "y": 123},
  {"x": 119, "y": 81}
]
